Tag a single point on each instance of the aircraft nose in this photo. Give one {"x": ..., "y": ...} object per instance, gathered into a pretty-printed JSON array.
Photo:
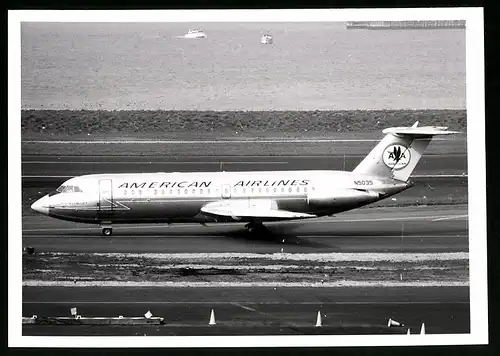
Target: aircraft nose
[{"x": 41, "y": 205}]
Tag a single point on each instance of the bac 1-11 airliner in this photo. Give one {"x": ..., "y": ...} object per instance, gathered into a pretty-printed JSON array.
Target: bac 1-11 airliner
[{"x": 251, "y": 197}]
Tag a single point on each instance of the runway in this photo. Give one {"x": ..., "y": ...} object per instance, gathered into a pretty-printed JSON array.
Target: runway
[
  {"x": 255, "y": 311},
  {"x": 51, "y": 158},
  {"x": 412, "y": 229},
  {"x": 68, "y": 165}
]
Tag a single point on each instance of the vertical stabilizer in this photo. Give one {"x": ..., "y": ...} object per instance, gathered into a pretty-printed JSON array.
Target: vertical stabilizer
[{"x": 397, "y": 155}]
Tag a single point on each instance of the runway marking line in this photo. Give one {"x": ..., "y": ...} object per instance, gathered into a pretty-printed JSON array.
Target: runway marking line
[
  {"x": 239, "y": 305},
  {"x": 298, "y": 236},
  {"x": 198, "y": 141},
  {"x": 450, "y": 217},
  {"x": 245, "y": 307},
  {"x": 247, "y": 302},
  {"x": 155, "y": 162},
  {"x": 395, "y": 218},
  {"x": 441, "y": 176},
  {"x": 276, "y": 156},
  {"x": 283, "y": 140}
]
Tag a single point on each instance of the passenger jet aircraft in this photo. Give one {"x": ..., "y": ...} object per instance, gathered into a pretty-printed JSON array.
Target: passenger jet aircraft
[{"x": 251, "y": 197}]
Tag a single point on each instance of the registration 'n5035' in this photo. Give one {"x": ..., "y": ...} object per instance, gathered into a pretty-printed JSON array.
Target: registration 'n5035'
[{"x": 363, "y": 182}]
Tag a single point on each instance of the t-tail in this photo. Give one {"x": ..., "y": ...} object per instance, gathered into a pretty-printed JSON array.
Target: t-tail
[{"x": 397, "y": 155}]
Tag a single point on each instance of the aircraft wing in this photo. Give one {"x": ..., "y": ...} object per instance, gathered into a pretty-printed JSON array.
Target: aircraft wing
[{"x": 242, "y": 209}]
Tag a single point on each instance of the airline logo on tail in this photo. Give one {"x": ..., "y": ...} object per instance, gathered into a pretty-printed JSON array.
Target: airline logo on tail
[{"x": 396, "y": 156}]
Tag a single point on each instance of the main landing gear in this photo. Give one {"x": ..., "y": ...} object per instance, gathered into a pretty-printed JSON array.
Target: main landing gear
[{"x": 255, "y": 227}]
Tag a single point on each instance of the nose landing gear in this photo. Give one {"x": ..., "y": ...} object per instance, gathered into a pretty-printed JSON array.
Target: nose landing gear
[{"x": 107, "y": 230}]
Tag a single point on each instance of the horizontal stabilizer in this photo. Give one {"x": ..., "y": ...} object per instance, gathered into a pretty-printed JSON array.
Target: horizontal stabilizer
[
  {"x": 241, "y": 211},
  {"x": 399, "y": 151},
  {"x": 420, "y": 131}
]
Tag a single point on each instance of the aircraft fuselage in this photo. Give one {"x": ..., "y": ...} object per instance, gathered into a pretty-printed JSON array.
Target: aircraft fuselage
[{"x": 179, "y": 197}]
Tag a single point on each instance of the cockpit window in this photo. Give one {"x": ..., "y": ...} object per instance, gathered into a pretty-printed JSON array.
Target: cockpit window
[{"x": 68, "y": 189}]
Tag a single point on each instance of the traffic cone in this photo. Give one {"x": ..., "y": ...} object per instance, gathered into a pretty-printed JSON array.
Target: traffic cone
[
  {"x": 212, "y": 318},
  {"x": 393, "y": 323},
  {"x": 408, "y": 333},
  {"x": 318, "y": 319},
  {"x": 422, "y": 329}
]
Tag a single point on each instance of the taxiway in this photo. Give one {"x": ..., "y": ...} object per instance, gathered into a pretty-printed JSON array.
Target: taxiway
[{"x": 412, "y": 229}]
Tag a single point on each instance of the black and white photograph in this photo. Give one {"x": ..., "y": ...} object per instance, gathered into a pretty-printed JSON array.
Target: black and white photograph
[{"x": 215, "y": 177}]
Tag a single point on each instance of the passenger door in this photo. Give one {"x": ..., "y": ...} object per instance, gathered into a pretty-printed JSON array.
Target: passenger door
[{"x": 105, "y": 197}]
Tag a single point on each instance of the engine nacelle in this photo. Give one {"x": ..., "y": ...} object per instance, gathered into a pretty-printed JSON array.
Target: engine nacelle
[{"x": 341, "y": 197}]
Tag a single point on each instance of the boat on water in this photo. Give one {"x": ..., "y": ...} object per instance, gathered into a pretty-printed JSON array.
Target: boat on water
[
  {"x": 194, "y": 33},
  {"x": 266, "y": 39}
]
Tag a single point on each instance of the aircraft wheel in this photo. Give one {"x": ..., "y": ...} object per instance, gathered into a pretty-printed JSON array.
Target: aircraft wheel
[
  {"x": 107, "y": 231},
  {"x": 257, "y": 228}
]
